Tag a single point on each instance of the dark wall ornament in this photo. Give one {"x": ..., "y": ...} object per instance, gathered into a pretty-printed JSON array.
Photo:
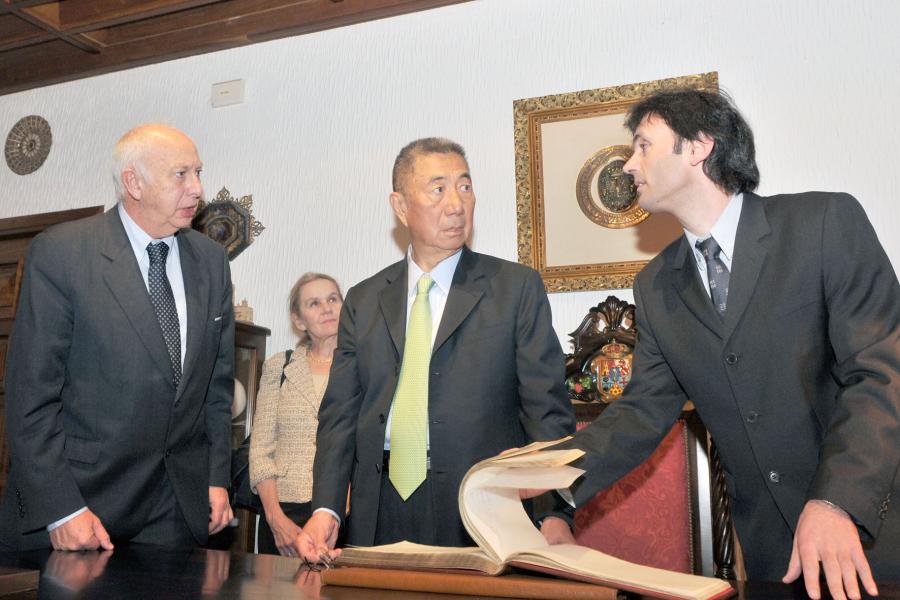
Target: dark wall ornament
[
  {"x": 606, "y": 193},
  {"x": 228, "y": 221},
  {"x": 28, "y": 145}
]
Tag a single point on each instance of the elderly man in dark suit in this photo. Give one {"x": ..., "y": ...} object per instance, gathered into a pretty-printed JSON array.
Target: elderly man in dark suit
[
  {"x": 444, "y": 358},
  {"x": 779, "y": 317},
  {"x": 119, "y": 382}
]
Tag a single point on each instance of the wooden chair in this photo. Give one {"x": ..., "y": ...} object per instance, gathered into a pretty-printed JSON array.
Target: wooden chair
[{"x": 651, "y": 516}]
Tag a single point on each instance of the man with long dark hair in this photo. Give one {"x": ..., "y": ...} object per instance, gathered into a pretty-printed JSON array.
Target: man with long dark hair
[{"x": 779, "y": 318}]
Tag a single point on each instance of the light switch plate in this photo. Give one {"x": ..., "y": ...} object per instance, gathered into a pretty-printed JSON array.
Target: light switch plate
[{"x": 227, "y": 93}]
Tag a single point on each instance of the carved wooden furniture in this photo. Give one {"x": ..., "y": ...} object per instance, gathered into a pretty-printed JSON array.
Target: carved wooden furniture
[
  {"x": 650, "y": 516},
  {"x": 249, "y": 355}
]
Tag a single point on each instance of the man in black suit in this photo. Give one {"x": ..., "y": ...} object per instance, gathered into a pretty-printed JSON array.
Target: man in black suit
[
  {"x": 779, "y": 318},
  {"x": 491, "y": 366},
  {"x": 119, "y": 382}
]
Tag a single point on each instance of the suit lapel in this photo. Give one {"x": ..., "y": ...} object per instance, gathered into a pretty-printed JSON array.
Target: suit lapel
[
  {"x": 750, "y": 252},
  {"x": 123, "y": 278},
  {"x": 392, "y": 300},
  {"x": 196, "y": 291},
  {"x": 687, "y": 283},
  {"x": 465, "y": 292}
]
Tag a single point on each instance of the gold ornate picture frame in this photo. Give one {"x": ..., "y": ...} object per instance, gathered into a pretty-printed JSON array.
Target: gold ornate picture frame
[{"x": 578, "y": 222}]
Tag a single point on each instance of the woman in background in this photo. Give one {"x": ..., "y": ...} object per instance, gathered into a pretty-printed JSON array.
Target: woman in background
[{"x": 283, "y": 444}]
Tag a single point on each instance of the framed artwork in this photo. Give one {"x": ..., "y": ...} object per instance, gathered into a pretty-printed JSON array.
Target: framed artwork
[{"x": 578, "y": 220}]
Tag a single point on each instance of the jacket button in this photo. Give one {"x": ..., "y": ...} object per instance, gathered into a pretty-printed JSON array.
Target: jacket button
[
  {"x": 381, "y": 419},
  {"x": 731, "y": 359},
  {"x": 774, "y": 476},
  {"x": 752, "y": 416},
  {"x": 378, "y": 468},
  {"x": 168, "y": 453}
]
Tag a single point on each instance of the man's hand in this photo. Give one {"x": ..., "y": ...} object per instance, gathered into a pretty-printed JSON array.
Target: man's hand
[
  {"x": 84, "y": 532},
  {"x": 220, "y": 513},
  {"x": 826, "y": 533},
  {"x": 286, "y": 534},
  {"x": 319, "y": 537},
  {"x": 526, "y": 493},
  {"x": 557, "y": 531}
]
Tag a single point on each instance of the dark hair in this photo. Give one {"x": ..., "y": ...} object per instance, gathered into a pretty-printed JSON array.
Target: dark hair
[
  {"x": 688, "y": 112},
  {"x": 403, "y": 164}
]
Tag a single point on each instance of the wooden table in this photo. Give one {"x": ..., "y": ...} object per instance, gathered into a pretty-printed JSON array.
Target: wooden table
[{"x": 154, "y": 573}]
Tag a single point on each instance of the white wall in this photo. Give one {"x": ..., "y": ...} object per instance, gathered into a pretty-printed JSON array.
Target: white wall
[{"x": 326, "y": 113}]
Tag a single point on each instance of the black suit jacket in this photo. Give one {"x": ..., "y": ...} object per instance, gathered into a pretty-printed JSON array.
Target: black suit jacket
[
  {"x": 92, "y": 416},
  {"x": 497, "y": 381},
  {"x": 799, "y": 384}
]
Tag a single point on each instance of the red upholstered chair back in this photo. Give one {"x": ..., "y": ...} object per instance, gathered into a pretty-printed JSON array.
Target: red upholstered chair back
[
  {"x": 646, "y": 516},
  {"x": 650, "y": 516}
]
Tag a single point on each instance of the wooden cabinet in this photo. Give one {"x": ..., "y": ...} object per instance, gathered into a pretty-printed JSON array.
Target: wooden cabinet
[
  {"x": 249, "y": 356},
  {"x": 16, "y": 234}
]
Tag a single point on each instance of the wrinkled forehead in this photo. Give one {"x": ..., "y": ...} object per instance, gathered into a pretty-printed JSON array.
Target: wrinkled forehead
[
  {"x": 430, "y": 165},
  {"x": 171, "y": 151}
]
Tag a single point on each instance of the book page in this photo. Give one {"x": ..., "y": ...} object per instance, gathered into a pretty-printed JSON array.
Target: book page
[
  {"x": 490, "y": 506},
  {"x": 407, "y": 555},
  {"x": 608, "y": 569}
]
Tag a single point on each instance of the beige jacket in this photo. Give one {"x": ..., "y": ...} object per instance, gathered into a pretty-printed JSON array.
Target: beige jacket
[{"x": 283, "y": 444}]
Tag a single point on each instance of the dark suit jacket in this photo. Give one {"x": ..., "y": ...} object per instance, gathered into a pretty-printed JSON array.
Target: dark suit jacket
[
  {"x": 92, "y": 416},
  {"x": 799, "y": 384},
  {"x": 497, "y": 376}
]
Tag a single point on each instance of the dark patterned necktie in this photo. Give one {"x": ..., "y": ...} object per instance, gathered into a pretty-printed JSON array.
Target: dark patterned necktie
[
  {"x": 164, "y": 302},
  {"x": 716, "y": 272}
]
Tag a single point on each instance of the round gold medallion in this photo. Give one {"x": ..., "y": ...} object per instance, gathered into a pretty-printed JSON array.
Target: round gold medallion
[{"x": 606, "y": 194}]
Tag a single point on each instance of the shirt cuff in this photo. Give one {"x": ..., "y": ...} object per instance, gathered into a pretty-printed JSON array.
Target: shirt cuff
[
  {"x": 65, "y": 520},
  {"x": 330, "y": 512}
]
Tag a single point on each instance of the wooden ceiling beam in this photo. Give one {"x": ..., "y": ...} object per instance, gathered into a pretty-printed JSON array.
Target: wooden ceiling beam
[
  {"x": 264, "y": 17},
  {"x": 91, "y": 15},
  {"x": 214, "y": 26},
  {"x": 45, "y": 17},
  {"x": 16, "y": 33}
]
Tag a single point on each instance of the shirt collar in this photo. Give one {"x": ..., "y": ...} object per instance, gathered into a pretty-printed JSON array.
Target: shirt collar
[
  {"x": 725, "y": 228},
  {"x": 139, "y": 238},
  {"x": 441, "y": 274}
]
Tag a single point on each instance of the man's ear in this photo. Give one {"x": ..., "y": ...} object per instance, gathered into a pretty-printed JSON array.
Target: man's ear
[
  {"x": 700, "y": 149},
  {"x": 399, "y": 204},
  {"x": 132, "y": 182}
]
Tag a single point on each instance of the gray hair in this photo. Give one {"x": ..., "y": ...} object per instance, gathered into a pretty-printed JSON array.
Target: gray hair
[
  {"x": 130, "y": 151},
  {"x": 403, "y": 164}
]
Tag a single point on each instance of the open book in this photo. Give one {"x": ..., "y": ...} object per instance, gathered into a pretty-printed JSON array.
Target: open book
[{"x": 494, "y": 516}]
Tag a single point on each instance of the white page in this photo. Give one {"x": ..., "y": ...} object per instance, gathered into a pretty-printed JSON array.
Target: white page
[{"x": 494, "y": 510}]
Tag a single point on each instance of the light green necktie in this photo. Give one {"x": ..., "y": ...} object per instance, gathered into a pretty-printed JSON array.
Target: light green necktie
[{"x": 409, "y": 417}]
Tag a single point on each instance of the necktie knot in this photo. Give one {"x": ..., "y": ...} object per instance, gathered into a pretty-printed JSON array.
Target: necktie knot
[
  {"x": 157, "y": 251},
  {"x": 424, "y": 284},
  {"x": 709, "y": 247}
]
